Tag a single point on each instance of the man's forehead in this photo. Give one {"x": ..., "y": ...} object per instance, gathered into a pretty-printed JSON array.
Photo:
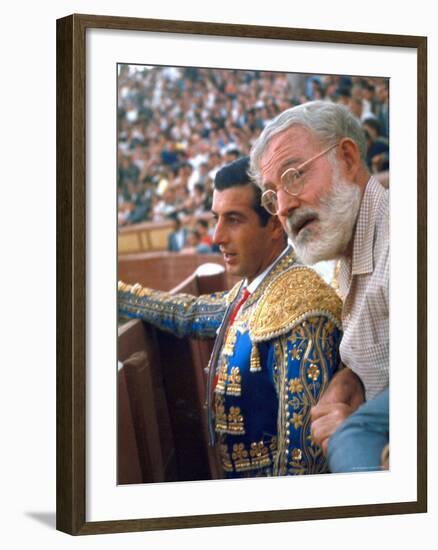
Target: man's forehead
[
  {"x": 291, "y": 144},
  {"x": 232, "y": 198}
]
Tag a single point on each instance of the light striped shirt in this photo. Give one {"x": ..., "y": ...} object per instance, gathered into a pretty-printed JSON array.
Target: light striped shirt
[{"x": 364, "y": 287}]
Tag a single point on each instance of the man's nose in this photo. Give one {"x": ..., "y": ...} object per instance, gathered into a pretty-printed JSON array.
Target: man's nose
[
  {"x": 219, "y": 235},
  {"x": 286, "y": 203}
]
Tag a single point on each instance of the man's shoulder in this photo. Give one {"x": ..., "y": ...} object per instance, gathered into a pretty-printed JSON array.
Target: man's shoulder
[{"x": 294, "y": 295}]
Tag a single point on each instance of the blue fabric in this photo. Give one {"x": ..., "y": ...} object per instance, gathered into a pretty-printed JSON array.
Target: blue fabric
[
  {"x": 272, "y": 434},
  {"x": 263, "y": 390},
  {"x": 357, "y": 444},
  {"x": 183, "y": 315}
]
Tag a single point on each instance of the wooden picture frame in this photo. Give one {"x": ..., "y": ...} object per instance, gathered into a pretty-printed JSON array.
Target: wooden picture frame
[{"x": 72, "y": 266}]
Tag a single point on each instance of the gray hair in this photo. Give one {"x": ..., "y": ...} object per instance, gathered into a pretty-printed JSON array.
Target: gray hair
[{"x": 329, "y": 122}]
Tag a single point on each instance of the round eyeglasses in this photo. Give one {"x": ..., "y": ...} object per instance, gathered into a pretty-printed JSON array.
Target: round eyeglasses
[{"x": 291, "y": 180}]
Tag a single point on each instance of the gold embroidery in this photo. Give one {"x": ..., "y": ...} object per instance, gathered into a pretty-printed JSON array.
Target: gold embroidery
[
  {"x": 220, "y": 415},
  {"x": 225, "y": 458},
  {"x": 234, "y": 381},
  {"x": 255, "y": 365},
  {"x": 230, "y": 341},
  {"x": 293, "y": 296},
  {"x": 277, "y": 362},
  {"x": 273, "y": 445},
  {"x": 288, "y": 260},
  {"x": 281, "y": 359},
  {"x": 296, "y": 455},
  {"x": 295, "y": 354},
  {"x": 297, "y": 469},
  {"x": 233, "y": 293},
  {"x": 136, "y": 289},
  {"x": 235, "y": 421},
  {"x": 240, "y": 457},
  {"x": 241, "y": 323},
  {"x": 256, "y": 458},
  {"x": 313, "y": 372},
  {"x": 296, "y": 464},
  {"x": 222, "y": 377},
  {"x": 259, "y": 455},
  {"x": 295, "y": 385},
  {"x": 296, "y": 403},
  {"x": 297, "y": 420},
  {"x": 297, "y": 394}
]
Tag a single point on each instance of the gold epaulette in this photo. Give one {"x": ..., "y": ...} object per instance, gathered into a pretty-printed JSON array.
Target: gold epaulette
[{"x": 293, "y": 296}]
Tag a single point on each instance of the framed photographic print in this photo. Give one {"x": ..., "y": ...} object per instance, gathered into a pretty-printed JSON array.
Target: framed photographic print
[{"x": 147, "y": 112}]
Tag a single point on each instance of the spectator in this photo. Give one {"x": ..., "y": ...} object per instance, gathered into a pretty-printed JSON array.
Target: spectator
[
  {"x": 201, "y": 226},
  {"x": 165, "y": 208},
  {"x": 195, "y": 201},
  {"x": 377, "y": 147},
  {"x": 383, "y": 108},
  {"x": 194, "y": 245},
  {"x": 178, "y": 238}
]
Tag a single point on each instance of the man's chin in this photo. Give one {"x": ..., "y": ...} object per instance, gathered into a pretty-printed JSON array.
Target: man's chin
[
  {"x": 309, "y": 253},
  {"x": 309, "y": 256},
  {"x": 306, "y": 258},
  {"x": 232, "y": 270}
]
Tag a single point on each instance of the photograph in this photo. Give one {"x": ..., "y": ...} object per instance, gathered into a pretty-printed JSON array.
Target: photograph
[{"x": 202, "y": 394}]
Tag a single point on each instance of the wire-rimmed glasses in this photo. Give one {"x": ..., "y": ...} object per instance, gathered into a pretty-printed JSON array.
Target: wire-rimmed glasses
[{"x": 291, "y": 180}]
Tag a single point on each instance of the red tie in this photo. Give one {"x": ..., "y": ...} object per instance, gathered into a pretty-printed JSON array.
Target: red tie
[
  {"x": 239, "y": 304},
  {"x": 246, "y": 293}
]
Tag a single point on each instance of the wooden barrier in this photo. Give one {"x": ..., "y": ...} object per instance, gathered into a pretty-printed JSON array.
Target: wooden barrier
[
  {"x": 151, "y": 236},
  {"x": 162, "y": 418},
  {"x": 146, "y": 451},
  {"x": 142, "y": 237},
  {"x": 165, "y": 270}
]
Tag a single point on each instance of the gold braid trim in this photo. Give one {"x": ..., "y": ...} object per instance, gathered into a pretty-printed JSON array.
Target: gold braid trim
[
  {"x": 292, "y": 297},
  {"x": 233, "y": 293},
  {"x": 288, "y": 260},
  {"x": 136, "y": 289}
]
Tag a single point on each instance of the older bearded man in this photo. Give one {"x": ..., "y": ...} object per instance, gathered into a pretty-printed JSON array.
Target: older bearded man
[{"x": 310, "y": 163}]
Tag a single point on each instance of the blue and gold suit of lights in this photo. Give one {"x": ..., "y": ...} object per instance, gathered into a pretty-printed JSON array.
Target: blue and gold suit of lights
[{"x": 270, "y": 366}]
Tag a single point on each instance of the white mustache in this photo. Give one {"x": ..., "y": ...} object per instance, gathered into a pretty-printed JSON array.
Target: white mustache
[{"x": 298, "y": 218}]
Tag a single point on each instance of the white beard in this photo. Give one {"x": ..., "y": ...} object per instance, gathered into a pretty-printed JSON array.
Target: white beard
[{"x": 328, "y": 237}]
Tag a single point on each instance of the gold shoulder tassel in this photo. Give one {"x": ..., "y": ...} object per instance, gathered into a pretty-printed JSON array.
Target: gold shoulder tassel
[
  {"x": 255, "y": 365},
  {"x": 230, "y": 341}
]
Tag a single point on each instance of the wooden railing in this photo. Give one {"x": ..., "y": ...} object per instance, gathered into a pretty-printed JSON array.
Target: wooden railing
[
  {"x": 144, "y": 237},
  {"x": 161, "y": 400},
  {"x": 146, "y": 451},
  {"x": 165, "y": 270},
  {"x": 150, "y": 236}
]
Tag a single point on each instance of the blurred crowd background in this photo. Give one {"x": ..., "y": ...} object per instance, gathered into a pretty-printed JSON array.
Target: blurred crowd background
[{"x": 178, "y": 126}]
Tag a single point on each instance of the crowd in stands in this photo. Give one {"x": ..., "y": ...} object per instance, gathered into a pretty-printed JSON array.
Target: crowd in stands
[{"x": 178, "y": 126}]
